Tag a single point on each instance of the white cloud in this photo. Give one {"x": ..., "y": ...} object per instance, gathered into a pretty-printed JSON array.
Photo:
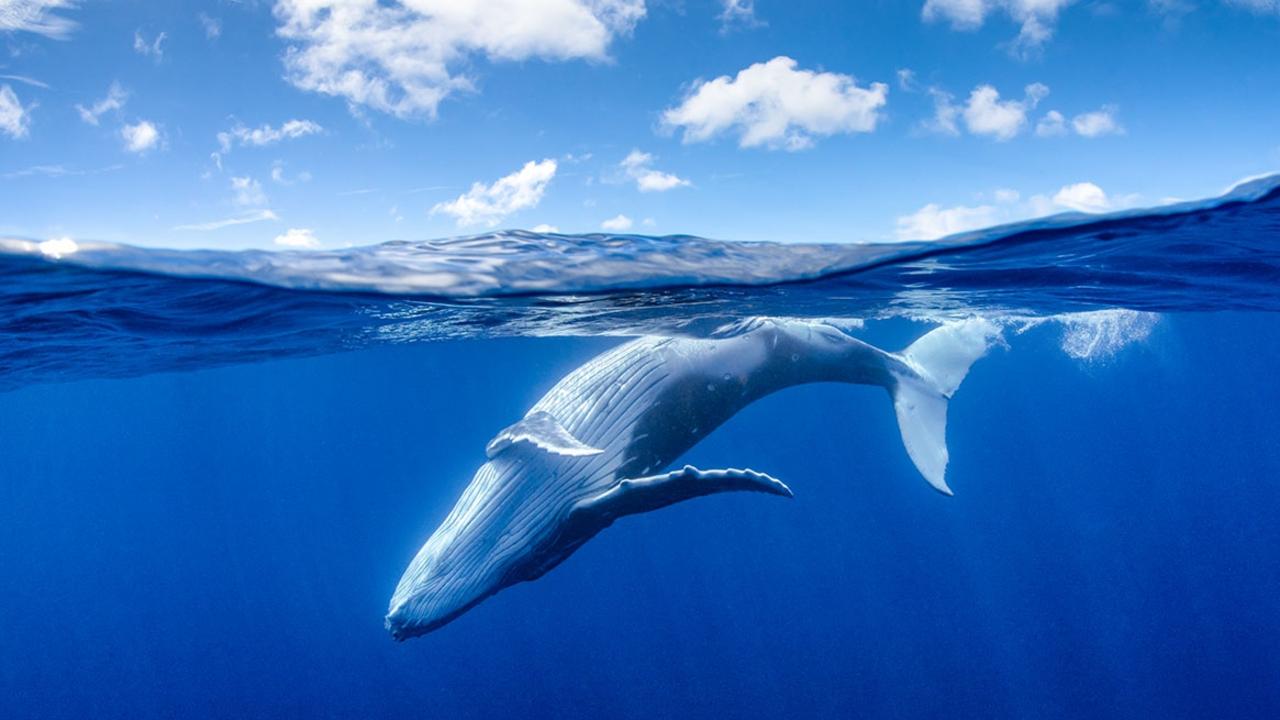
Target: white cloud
[
  {"x": 278, "y": 176},
  {"x": 298, "y": 238},
  {"x": 253, "y": 217},
  {"x": 402, "y": 56},
  {"x": 1084, "y": 197},
  {"x": 150, "y": 49},
  {"x": 212, "y": 26},
  {"x": 907, "y": 80},
  {"x": 56, "y": 171},
  {"x": 25, "y": 80},
  {"x": 775, "y": 105},
  {"x": 248, "y": 191},
  {"x": 15, "y": 119},
  {"x": 1036, "y": 18},
  {"x": 265, "y": 134},
  {"x": 490, "y": 204},
  {"x": 1097, "y": 123},
  {"x": 1051, "y": 125},
  {"x": 637, "y": 164},
  {"x": 545, "y": 228},
  {"x": 738, "y": 14},
  {"x": 140, "y": 137},
  {"x": 1258, "y": 6},
  {"x": 620, "y": 223},
  {"x": 115, "y": 99},
  {"x": 987, "y": 114},
  {"x": 36, "y": 16},
  {"x": 933, "y": 221},
  {"x": 945, "y": 113}
]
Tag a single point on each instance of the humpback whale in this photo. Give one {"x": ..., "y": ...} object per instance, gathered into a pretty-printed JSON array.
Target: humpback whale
[{"x": 597, "y": 445}]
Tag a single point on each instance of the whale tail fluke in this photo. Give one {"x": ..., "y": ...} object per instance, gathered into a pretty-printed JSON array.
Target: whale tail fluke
[{"x": 935, "y": 366}]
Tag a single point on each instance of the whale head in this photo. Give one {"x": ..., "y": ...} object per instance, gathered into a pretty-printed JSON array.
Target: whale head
[{"x": 499, "y": 533}]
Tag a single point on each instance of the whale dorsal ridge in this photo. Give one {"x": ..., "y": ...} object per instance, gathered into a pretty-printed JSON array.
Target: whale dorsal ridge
[
  {"x": 637, "y": 495},
  {"x": 541, "y": 430}
]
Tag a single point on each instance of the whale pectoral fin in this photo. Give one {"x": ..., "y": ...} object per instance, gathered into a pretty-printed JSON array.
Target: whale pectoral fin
[
  {"x": 543, "y": 431},
  {"x": 637, "y": 495}
]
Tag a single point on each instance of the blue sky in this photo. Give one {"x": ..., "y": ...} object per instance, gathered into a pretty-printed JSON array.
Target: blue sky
[{"x": 322, "y": 123}]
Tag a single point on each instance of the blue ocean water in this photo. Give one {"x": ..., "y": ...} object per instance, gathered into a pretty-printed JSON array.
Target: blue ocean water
[{"x": 215, "y": 466}]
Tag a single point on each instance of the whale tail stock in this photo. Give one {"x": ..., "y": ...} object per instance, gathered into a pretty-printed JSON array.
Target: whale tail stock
[{"x": 933, "y": 367}]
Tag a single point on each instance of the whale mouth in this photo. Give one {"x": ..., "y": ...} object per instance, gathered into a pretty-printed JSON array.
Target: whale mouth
[{"x": 405, "y": 621}]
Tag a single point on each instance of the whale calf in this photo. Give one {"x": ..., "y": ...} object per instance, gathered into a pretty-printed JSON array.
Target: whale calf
[{"x": 597, "y": 445}]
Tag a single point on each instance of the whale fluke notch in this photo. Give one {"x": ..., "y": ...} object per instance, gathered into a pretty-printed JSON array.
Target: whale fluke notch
[
  {"x": 541, "y": 430},
  {"x": 637, "y": 495}
]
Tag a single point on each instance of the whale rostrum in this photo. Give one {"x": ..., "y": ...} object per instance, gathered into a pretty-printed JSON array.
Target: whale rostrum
[{"x": 597, "y": 445}]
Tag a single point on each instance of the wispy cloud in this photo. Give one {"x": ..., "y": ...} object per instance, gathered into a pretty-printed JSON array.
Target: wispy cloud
[
  {"x": 25, "y": 80},
  {"x": 738, "y": 14},
  {"x": 149, "y": 48},
  {"x": 15, "y": 118},
  {"x": 212, "y": 26},
  {"x": 36, "y": 16},
  {"x": 264, "y": 135},
  {"x": 248, "y": 191},
  {"x": 253, "y": 217},
  {"x": 56, "y": 171},
  {"x": 115, "y": 100}
]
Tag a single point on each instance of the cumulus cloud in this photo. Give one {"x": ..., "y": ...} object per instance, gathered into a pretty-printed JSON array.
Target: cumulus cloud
[
  {"x": 618, "y": 223},
  {"x": 1006, "y": 205},
  {"x": 36, "y": 16},
  {"x": 775, "y": 105},
  {"x": 545, "y": 228},
  {"x": 403, "y": 56},
  {"x": 1084, "y": 197},
  {"x": 115, "y": 100},
  {"x": 265, "y": 134},
  {"x": 149, "y": 48},
  {"x": 1090, "y": 125},
  {"x": 15, "y": 118},
  {"x": 1097, "y": 123},
  {"x": 298, "y": 238},
  {"x": 987, "y": 114},
  {"x": 140, "y": 136},
  {"x": 1051, "y": 125},
  {"x": 934, "y": 221},
  {"x": 637, "y": 166},
  {"x": 1036, "y": 18},
  {"x": 490, "y": 204},
  {"x": 248, "y": 191},
  {"x": 984, "y": 113}
]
